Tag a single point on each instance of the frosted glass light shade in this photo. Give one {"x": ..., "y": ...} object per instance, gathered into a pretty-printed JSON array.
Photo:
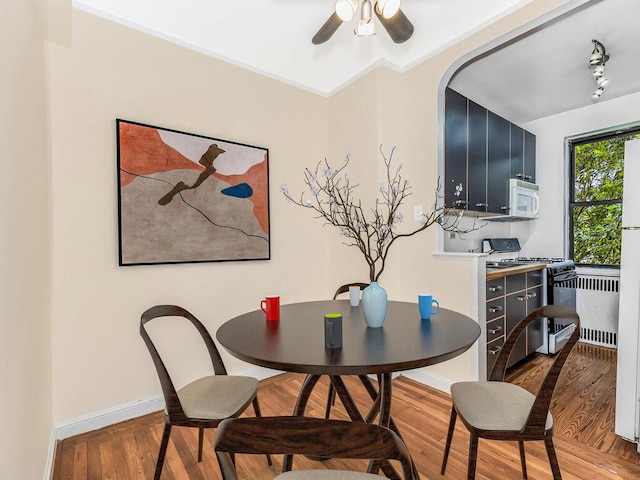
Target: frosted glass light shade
[{"x": 346, "y": 8}]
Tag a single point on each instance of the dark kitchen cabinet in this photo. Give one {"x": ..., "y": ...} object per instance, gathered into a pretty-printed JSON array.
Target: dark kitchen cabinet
[
  {"x": 529, "y": 157},
  {"x": 524, "y": 295},
  {"x": 523, "y": 154},
  {"x": 482, "y": 152},
  {"x": 477, "y": 185},
  {"x": 517, "y": 153},
  {"x": 510, "y": 299},
  {"x": 498, "y": 163},
  {"x": 455, "y": 148},
  {"x": 495, "y": 320}
]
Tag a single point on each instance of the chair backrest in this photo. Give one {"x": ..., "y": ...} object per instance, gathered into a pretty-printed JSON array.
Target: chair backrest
[
  {"x": 173, "y": 405},
  {"x": 315, "y": 437},
  {"x": 345, "y": 288},
  {"x": 537, "y": 419}
]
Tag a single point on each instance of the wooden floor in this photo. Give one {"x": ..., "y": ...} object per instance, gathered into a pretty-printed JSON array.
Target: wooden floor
[{"x": 582, "y": 407}]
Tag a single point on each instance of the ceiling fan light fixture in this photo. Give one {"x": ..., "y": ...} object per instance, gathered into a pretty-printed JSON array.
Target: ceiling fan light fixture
[
  {"x": 365, "y": 27},
  {"x": 387, "y": 8},
  {"x": 345, "y": 9}
]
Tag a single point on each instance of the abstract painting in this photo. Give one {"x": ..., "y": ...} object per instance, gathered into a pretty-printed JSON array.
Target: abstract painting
[{"x": 185, "y": 198}]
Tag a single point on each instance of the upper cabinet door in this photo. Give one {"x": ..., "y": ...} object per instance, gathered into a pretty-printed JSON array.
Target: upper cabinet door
[
  {"x": 517, "y": 152},
  {"x": 455, "y": 147},
  {"x": 498, "y": 162},
  {"x": 529, "y": 157},
  {"x": 477, "y": 158}
]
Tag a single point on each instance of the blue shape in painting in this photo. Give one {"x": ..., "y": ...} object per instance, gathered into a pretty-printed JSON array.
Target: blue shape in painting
[{"x": 242, "y": 190}]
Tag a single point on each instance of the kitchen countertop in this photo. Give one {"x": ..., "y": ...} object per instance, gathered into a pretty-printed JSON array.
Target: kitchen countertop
[{"x": 493, "y": 273}]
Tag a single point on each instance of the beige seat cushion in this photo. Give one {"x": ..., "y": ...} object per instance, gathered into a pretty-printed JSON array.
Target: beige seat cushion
[
  {"x": 494, "y": 405},
  {"x": 326, "y": 475},
  {"x": 217, "y": 396}
]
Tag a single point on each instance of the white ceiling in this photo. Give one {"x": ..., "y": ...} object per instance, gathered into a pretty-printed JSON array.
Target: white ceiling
[
  {"x": 538, "y": 74},
  {"x": 273, "y": 37},
  {"x": 548, "y": 72}
]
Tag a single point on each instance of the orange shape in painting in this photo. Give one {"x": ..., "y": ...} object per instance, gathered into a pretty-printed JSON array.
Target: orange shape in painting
[
  {"x": 142, "y": 152},
  {"x": 256, "y": 176}
]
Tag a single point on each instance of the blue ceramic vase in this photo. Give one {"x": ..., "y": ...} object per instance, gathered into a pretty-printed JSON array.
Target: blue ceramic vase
[{"x": 374, "y": 305}]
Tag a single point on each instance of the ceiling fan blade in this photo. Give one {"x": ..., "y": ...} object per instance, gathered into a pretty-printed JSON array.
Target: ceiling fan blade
[
  {"x": 399, "y": 27},
  {"x": 327, "y": 30}
]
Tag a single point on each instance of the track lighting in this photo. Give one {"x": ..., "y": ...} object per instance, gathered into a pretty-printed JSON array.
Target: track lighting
[
  {"x": 598, "y": 70},
  {"x": 597, "y": 60}
]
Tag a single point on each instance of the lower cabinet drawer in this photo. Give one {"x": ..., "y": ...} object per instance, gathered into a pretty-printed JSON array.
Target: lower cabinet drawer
[
  {"x": 495, "y": 308},
  {"x": 493, "y": 349},
  {"x": 495, "y": 329}
]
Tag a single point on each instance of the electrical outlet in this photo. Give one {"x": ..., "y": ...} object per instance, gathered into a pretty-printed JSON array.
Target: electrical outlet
[{"x": 417, "y": 213}]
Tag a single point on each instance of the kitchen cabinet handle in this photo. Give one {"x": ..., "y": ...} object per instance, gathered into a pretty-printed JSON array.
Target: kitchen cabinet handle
[
  {"x": 495, "y": 309},
  {"x": 496, "y": 288},
  {"x": 504, "y": 209},
  {"x": 532, "y": 295},
  {"x": 482, "y": 205},
  {"x": 494, "y": 350},
  {"x": 460, "y": 202},
  {"x": 494, "y": 330},
  {"x": 528, "y": 177},
  {"x": 519, "y": 175},
  {"x": 521, "y": 298}
]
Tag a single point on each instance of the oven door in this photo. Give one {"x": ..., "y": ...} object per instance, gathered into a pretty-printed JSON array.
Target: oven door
[{"x": 562, "y": 292}]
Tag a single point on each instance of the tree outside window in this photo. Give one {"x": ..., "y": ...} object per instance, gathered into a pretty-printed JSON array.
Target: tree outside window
[{"x": 595, "y": 205}]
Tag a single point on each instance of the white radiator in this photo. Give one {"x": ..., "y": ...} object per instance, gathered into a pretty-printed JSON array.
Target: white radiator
[{"x": 597, "y": 298}]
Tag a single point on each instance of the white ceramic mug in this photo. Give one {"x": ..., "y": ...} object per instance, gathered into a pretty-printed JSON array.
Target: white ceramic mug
[{"x": 354, "y": 295}]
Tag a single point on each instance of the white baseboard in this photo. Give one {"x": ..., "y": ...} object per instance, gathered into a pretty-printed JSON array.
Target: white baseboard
[
  {"x": 120, "y": 413},
  {"x": 436, "y": 381}
]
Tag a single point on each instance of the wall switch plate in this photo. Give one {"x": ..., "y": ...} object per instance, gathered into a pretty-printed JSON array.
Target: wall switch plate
[{"x": 417, "y": 213}]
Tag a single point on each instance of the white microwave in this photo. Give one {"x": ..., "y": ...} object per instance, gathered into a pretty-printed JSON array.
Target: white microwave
[{"x": 524, "y": 199}]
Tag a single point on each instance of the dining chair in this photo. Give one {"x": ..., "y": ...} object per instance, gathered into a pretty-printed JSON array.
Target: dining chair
[
  {"x": 498, "y": 410},
  {"x": 317, "y": 438},
  {"x": 204, "y": 402},
  {"x": 345, "y": 288},
  {"x": 331, "y": 397}
]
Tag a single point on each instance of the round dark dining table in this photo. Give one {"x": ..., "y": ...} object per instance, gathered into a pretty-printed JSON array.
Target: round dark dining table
[{"x": 295, "y": 343}]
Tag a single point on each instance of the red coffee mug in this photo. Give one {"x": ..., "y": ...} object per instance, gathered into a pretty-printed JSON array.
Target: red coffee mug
[{"x": 271, "y": 307}]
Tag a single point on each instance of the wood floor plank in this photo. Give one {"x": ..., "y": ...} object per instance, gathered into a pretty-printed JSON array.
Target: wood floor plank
[
  {"x": 583, "y": 405},
  {"x": 80, "y": 460}
]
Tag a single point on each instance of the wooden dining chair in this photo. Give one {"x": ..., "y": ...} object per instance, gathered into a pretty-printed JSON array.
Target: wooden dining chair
[
  {"x": 498, "y": 410},
  {"x": 204, "y": 402},
  {"x": 314, "y": 437},
  {"x": 345, "y": 288}
]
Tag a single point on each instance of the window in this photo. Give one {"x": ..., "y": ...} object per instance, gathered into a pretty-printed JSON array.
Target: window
[{"x": 595, "y": 202}]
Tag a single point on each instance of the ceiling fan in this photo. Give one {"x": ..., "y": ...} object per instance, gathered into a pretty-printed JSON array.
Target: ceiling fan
[{"x": 394, "y": 21}]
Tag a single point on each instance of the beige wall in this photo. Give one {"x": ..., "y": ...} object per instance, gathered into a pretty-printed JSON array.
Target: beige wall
[
  {"x": 110, "y": 71},
  {"x": 25, "y": 323},
  {"x": 80, "y": 352}
]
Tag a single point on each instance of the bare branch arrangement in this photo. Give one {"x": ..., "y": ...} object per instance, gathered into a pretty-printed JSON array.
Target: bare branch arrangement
[{"x": 332, "y": 196}]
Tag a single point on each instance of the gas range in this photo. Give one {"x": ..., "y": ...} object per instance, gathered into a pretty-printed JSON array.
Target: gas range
[{"x": 555, "y": 263}]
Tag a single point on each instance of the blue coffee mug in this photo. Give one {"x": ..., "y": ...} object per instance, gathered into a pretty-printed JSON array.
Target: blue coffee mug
[{"x": 427, "y": 305}]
